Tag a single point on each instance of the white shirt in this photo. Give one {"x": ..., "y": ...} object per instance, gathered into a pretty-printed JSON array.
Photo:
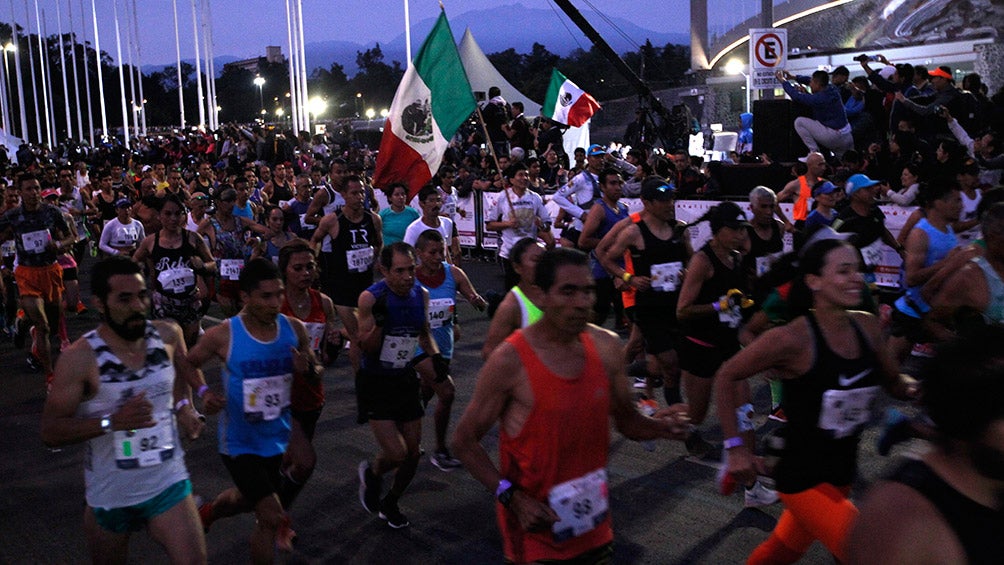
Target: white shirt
[
  {"x": 416, "y": 228},
  {"x": 577, "y": 193},
  {"x": 526, "y": 209}
]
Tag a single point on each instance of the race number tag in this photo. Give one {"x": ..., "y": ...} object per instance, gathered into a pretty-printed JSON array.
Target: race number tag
[
  {"x": 315, "y": 332},
  {"x": 397, "y": 351},
  {"x": 145, "y": 447},
  {"x": 843, "y": 412},
  {"x": 34, "y": 242},
  {"x": 359, "y": 260},
  {"x": 8, "y": 248},
  {"x": 581, "y": 504},
  {"x": 666, "y": 276},
  {"x": 127, "y": 237},
  {"x": 177, "y": 281},
  {"x": 266, "y": 397},
  {"x": 764, "y": 263},
  {"x": 230, "y": 269},
  {"x": 440, "y": 312},
  {"x": 873, "y": 253},
  {"x": 731, "y": 316}
]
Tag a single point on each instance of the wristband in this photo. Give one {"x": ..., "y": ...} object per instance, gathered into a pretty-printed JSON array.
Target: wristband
[
  {"x": 717, "y": 305},
  {"x": 202, "y": 391},
  {"x": 733, "y": 442},
  {"x": 504, "y": 485},
  {"x": 626, "y": 277},
  {"x": 181, "y": 404}
]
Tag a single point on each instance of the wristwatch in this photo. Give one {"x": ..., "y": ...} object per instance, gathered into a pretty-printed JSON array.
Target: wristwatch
[
  {"x": 106, "y": 423},
  {"x": 504, "y": 492}
]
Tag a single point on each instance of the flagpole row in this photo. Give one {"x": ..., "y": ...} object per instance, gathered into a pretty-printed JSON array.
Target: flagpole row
[{"x": 498, "y": 167}]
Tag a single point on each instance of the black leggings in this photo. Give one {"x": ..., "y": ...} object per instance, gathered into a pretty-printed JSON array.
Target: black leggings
[{"x": 607, "y": 295}]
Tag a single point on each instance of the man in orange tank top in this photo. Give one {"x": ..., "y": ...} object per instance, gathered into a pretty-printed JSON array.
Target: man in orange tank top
[
  {"x": 801, "y": 190},
  {"x": 553, "y": 387}
]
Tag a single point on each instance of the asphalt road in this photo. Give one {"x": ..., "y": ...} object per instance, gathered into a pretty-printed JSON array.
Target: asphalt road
[{"x": 665, "y": 507}]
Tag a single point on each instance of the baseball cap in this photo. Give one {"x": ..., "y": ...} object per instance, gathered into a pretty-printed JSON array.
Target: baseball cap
[
  {"x": 823, "y": 187},
  {"x": 146, "y": 168},
  {"x": 595, "y": 150},
  {"x": 857, "y": 182},
  {"x": 657, "y": 188},
  {"x": 123, "y": 203},
  {"x": 939, "y": 72},
  {"x": 887, "y": 71},
  {"x": 728, "y": 215},
  {"x": 823, "y": 233},
  {"x": 50, "y": 192}
]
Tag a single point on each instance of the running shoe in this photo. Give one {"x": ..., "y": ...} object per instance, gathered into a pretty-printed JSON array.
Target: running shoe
[
  {"x": 392, "y": 514},
  {"x": 81, "y": 309},
  {"x": 777, "y": 415},
  {"x": 206, "y": 516},
  {"x": 445, "y": 462},
  {"x": 724, "y": 480},
  {"x": 925, "y": 350},
  {"x": 369, "y": 488},
  {"x": 895, "y": 430},
  {"x": 34, "y": 363},
  {"x": 639, "y": 382},
  {"x": 759, "y": 495}
]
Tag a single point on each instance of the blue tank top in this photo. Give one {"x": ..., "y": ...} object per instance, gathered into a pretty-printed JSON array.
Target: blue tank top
[
  {"x": 610, "y": 217},
  {"x": 257, "y": 379},
  {"x": 404, "y": 317},
  {"x": 442, "y": 305},
  {"x": 939, "y": 243}
]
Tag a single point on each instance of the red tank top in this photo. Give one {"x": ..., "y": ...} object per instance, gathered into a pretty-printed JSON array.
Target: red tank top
[
  {"x": 566, "y": 436},
  {"x": 306, "y": 396},
  {"x": 801, "y": 210}
]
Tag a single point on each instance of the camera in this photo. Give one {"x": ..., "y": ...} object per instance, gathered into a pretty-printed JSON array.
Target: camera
[{"x": 866, "y": 58}]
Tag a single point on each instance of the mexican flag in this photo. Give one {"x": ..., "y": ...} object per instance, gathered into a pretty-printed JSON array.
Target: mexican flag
[
  {"x": 432, "y": 101},
  {"x": 566, "y": 103}
]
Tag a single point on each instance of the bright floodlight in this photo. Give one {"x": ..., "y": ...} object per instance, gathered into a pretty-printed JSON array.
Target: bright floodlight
[
  {"x": 279, "y": 112},
  {"x": 317, "y": 105},
  {"x": 10, "y": 47},
  {"x": 370, "y": 114},
  {"x": 734, "y": 67},
  {"x": 259, "y": 81},
  {"x": 384, "y": 113}
]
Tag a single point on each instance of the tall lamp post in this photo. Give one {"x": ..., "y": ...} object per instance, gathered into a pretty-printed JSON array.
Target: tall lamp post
[
  {"x": 736, "y": 67},
  {"x": 259, "y": 81}
]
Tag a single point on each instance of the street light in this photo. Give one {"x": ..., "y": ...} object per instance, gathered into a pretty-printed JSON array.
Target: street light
[
  {"x": 384, "y": 113},
  {"x": 359, "y": 103},
  {"x": 735, "y": 67},
  {"x": 259, "y": 81},
  {"x": 370, "y": 113},
  {"x": 317, "y": 106},
  {"x": 279, "y": 113}
]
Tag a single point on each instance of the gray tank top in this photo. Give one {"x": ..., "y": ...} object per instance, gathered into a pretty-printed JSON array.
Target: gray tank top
[{"x": 125, "y": 468}]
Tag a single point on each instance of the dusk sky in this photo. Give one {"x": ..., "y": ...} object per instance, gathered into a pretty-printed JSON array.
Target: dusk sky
[{"x": 243, "y": 28}]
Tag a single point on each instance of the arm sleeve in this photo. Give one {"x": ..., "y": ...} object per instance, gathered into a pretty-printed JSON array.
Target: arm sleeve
[
  {"x": 106, "y": 237},
  {"x": 563, "y": 197},
  {"x": 904, "y": 198},
  {"x": 960, "y": 133},
  {"x": 623, "y": 165}
]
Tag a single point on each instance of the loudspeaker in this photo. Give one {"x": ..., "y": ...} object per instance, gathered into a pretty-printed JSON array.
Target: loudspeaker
[{"x": 774, "y": 130}]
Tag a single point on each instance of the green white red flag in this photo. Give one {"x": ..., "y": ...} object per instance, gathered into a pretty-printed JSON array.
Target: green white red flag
[
  {"x": 432, "y": 101},
  {"x": 566, "y": 103}
]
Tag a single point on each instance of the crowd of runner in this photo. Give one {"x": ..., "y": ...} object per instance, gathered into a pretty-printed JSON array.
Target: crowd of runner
[{"x": 290, "y": 241}]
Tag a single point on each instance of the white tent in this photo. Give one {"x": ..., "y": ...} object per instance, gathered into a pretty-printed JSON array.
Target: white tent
[{"x": 483, "y": 75}]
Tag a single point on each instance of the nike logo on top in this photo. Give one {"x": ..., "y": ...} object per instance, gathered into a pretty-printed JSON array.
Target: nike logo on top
[{"x": 845, "y": 381}]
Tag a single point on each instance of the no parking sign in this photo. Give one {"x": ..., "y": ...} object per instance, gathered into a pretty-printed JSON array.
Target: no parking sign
[{"x": 768, "y": 54}]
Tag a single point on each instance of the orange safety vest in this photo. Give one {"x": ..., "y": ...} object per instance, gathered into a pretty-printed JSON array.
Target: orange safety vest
[{"x": 801, "y": 210}]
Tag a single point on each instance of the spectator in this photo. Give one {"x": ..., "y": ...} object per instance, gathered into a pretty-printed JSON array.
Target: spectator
[
  {"x": 910, "y": 181},
  {"x": 828, "y": 126}
]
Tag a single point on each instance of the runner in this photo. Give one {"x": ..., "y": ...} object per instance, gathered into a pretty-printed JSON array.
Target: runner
[
  {"x": 263, "y": 351},
  {"x": 122, "y": 234},
  {"x": 229, "y": 236},
  {"x": 175, "y": 257},
  {"x": 519, "y": 307},
  {"x": 442, "y": 281},
  {"x": 40, "y": 234},
  {"x": 830, "y": 385},
  {"x": 393, "y": 321},
  {"x": 602, "y": 217},
  {"x": 558, "y": 371},
  {"x": 114, "y": 389},
  {"x": 431, "y": 202},
  {"x": 518, "y": 213},
  {"x": 355, "y": 237}
]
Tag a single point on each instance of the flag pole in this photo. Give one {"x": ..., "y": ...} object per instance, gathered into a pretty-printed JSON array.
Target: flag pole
[
  {"x": 122, "y": 85},
  {"x": 491, "y": 151},
  {"x": 17, "y": 72},
  {"x": 62, "y": 65},
  {"x": 97, "y": 64},
  {"x": 407, "y": 31},
  {"x": 177, "y": 51},
  {"x": 73, "y": 63},
  {"x": 31, "y": 66},
  {"x": 50, "y": 110}
]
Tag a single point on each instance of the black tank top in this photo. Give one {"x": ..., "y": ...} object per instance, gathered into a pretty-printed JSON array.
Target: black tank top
[
  {"x": 977, "y": 527},
  {"x": 281, "y": 193},
  {"x": 355, "y": 242},
  {"x": 668, "y": 257},
  {"x": 168, "y": 264},
  {"x": 712, "y": 329},
  {"x": 106, "y": 209},
  {"x": 827, "y": 407}
]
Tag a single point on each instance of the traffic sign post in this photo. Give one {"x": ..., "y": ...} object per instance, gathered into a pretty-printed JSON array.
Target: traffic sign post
[{"x": 768, "y": 54}]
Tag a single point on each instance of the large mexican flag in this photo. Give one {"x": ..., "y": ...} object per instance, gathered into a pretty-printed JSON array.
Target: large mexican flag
[
  {"x": 566, "y": 103},
  {"x": 431, "y": 102}
]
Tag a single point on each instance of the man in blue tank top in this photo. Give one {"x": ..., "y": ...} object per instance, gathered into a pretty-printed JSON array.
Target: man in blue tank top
[
  {"x": 442, "y": 281},
  {"x": 393, "y": 321},
  {"x": 114, "y": 389},
  {"x": 261, "y": 350}
]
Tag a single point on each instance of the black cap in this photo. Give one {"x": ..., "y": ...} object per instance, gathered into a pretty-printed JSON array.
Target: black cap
[
  {"x": 657, "y": 188},
  {"x": 728, "y": 215}
]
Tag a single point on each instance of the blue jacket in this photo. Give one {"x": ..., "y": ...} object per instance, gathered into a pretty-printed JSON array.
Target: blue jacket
[{"x": 827, "y": 105}]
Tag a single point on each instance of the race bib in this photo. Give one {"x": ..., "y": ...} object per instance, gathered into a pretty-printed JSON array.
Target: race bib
[
  {"x": 127, "y": 237},
  {"x": 581, "y": 505},
  {"x": 843, "y": 412},
  {"x": 315, "y": 332},
  {"x": 397, "y": 351},
  {"x": 34, "y": 242},
  {"x": 731, "y": 317},
  {"x": 230, "y": 269},
  {"x": 440, "y": 312},
  {"x": 145, "y": 447},
  {"x": 177, "y": 281},
  {"x": 266, "y": 397},
  {"x": 8, "y": 248},
  {"x": 763, "y": 263},
  {"x": 359, "y": 260},
  {"x": 666, "y": 276},
  {"x": 872, "y": 254}
]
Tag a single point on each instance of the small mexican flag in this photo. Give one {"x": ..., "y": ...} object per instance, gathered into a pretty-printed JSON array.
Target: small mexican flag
[
  {"x": 432, "y": 101},
  {"x": 566, "y": 103}
]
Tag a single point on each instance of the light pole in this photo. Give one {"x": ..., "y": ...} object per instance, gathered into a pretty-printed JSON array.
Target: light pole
[
  {"x": 8, "y": 95},
  {"x": 735, "y": 67},
  {"x": 259, "y": 81},
  {"x": 359, "y": 104}
]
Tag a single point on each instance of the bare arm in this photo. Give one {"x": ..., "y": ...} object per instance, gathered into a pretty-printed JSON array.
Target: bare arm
[
  {"x": 465, "y": 288},
  {"x": 506, "y": 320},
  {"x": 317, "y": 204},
  {"x": 699, "y": 270},
  {"x": 589, "y": 227}
]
